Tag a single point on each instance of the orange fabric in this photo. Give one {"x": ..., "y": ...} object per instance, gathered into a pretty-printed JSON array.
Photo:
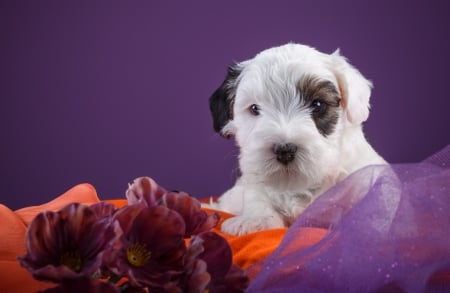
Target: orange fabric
[
  {"x": 247, "y": 250},
  {"x": 82, "y": 193},
  {"x": 251, "y": 248}
]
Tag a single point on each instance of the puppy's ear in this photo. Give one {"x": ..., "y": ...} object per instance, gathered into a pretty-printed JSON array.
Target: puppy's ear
[
  {"x": 222, "y": 100},
  {"x": 354, "y": 87}
]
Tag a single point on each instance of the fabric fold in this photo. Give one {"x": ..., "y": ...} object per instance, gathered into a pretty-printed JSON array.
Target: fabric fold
[{"x": 389, "y": 230}]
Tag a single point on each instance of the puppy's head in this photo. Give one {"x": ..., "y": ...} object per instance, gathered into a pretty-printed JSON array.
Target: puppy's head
[{"x": 289, "y": 107}]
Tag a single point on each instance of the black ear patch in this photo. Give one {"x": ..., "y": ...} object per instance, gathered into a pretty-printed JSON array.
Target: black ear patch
[{"x": 222, "y": 100}]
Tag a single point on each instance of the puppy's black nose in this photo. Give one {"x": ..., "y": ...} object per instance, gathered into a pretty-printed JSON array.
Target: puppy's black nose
[{"x": 285, "y": 152}]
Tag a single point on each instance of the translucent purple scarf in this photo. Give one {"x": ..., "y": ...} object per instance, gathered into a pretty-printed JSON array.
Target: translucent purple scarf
[{"x": 389, "y": 231}]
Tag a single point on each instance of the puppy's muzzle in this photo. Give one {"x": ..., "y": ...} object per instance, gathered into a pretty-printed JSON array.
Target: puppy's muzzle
[{"x": 285, "y": 152}]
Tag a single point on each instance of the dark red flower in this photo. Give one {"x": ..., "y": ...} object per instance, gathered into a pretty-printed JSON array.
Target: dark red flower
[
  {"x": 144, "y": 189},
  {"x": 142, "y": 243},
  {"x": 69, "y": 243},
  {"x": 217, "y": 254},
  {"x": 198, "y": 278},
  {"x": 197, "y": 220},
  {"x": 152, "y": 250}
]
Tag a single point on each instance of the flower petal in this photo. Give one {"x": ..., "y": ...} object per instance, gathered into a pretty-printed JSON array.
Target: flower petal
[
  {"x": 154, "y": 240},
  {"x": 127, "y": 214},
  {"x": 189, "y": 208},
  {"x": 199, "y": 278},
  {"x": 40, "y": 241},
  {"x": 144, "y": 189},
  {"x": 161, "y": 229},
  {"x": 217, "y": 254},
  {"x": 103, "y": 209}
]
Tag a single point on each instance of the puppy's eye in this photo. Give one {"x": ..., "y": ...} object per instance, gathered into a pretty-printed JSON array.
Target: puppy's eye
[
  {"x": 318, "y": 107},
  {"x": 254, "y": 109}
]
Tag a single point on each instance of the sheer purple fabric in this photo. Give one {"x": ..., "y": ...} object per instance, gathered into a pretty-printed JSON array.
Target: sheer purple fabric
[{"x": 389, "y": 231}]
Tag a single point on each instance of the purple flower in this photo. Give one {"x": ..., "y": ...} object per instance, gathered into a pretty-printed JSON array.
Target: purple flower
[
  {"x": 217, "y": 254},
  {"x": 144, "y": 189},
  {"x": 69, "y": 243},
  {"x": 83, "y": 284},
  {"x": 196, "y": 277},
  {"x": 142, "y": 243},
  {"x": 152, "y": 246},
  {"x": 197, "y": 220}
]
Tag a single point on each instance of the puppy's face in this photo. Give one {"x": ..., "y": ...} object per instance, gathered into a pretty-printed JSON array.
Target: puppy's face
[{"x": 288, "y": 109}]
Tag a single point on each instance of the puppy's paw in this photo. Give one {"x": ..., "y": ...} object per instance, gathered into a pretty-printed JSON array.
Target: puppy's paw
[{"x": 241, "y": 225}]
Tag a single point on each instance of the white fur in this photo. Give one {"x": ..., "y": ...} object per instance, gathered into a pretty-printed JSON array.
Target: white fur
[{"x": 269, "y": 194}]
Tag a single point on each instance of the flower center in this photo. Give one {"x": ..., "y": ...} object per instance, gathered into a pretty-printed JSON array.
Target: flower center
[
  {"x": 72, "y": 260},
  {"x": 138, "y": 254}
]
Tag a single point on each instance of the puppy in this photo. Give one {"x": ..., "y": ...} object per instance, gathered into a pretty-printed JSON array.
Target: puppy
[{"x": 296, "y": 116}]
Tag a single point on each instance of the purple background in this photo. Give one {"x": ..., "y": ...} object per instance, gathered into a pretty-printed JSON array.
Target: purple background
[{"x": 103, "y": 92}]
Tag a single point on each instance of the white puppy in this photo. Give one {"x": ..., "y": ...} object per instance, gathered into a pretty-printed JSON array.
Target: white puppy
[{"x": 296, "y": 116}]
